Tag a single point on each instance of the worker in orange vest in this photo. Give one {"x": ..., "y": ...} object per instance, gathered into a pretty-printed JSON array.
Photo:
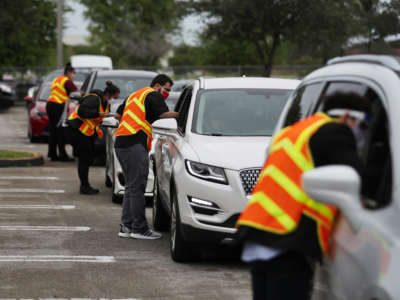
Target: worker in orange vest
[
  {"x": 61, "y": 87},
  {"x": 85, "y": 121},
  {"x": 283, "y": 231},
  {"x": 132, "y": 146}
]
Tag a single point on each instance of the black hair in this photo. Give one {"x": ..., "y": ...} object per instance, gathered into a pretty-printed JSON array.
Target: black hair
[
  {"x": 347, "y": 100},
  {"x": 161, "y": 79},
  {"x": 68, "y": 68},
  {"x": 111, "y": 88}
]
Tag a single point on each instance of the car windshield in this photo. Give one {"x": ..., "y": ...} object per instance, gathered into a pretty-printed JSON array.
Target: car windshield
[
  {"x": 127, "y": 85},
  {"x": 79, "y": 77},
  {"x": 44, "y": 93},
  {"x": 238, "y": 112}
]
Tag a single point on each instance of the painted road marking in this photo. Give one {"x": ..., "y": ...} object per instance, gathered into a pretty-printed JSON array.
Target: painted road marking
[
  {"x": 57, "y": 258},
  {"x": 44, "y": 228},
  {"x": 48, "y": 191},
  {"x": 38, "y": 206},
  {"x": 29, "y": 178}
]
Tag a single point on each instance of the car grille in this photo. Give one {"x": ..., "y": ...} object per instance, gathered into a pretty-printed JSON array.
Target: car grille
[{"x": 249, "y": 179}]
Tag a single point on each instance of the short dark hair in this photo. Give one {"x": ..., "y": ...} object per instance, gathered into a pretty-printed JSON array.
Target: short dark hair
[
  {"x": 68, "y": 68},
  {"x": 347, "y": 100},
  {"x": 161, "y": 79}
]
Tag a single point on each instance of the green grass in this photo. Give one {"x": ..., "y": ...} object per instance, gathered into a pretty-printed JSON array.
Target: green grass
[{"x": 6, "y": 154}]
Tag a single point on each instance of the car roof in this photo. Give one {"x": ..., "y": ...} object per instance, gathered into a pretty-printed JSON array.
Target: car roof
[
  {"x": 127, "y": 73},
  {"x": 248, "y": 82},
  {"x": 391, "y": 62}
]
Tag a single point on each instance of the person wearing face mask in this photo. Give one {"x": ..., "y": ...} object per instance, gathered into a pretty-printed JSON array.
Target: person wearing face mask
[
  {"x": 132, "y": 146},
  {"x": 284, "y": 232},
  {"x": 85, "y": 121}
]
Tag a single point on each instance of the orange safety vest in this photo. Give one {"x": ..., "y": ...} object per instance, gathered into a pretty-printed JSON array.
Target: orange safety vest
[
  {"x": 89, "y": 125},
  {"x": 278, "y": 200},
  {"x": 58, "y": 92},
  {"x": 134, "y": 116}
]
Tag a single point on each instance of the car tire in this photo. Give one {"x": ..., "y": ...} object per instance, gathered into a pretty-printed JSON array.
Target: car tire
[
  {"x": 181, "y": 251},
  {"x": 160, "y": 216},
  {"x": 32, "y": 138}
]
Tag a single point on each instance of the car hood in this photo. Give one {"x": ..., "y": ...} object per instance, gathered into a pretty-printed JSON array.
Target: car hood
[{"x": 234, "y": 153}]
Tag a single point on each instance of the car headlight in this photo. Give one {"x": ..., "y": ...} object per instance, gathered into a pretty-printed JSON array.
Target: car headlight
[
  {"x": 5, "y": 88},
  {"x": 206, "y": 172}
]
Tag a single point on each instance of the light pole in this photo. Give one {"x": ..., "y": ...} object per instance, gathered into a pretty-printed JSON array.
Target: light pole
[{"x": 60, "y": 4}]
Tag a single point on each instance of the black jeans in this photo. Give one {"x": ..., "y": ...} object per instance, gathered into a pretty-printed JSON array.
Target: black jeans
[
  {"x": 286, "y": 277},
  {"x": 84, "y": 146},
  {"x": 56, "y": 138}
]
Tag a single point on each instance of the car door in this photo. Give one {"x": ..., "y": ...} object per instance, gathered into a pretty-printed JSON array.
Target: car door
[
  {"x": 168, "y": 144},
  {"x": 359, "y": 256}
]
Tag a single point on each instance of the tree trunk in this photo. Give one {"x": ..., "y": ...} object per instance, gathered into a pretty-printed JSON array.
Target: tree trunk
[{"x": 270, "y": 56}]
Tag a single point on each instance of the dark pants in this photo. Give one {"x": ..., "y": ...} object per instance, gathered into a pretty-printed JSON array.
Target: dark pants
[
  {"x": 84, "y": 146},
  {"x": 56, "y": 138},
  {"x": 286, "y": 277},
  {"x": 134, "y": 161}
]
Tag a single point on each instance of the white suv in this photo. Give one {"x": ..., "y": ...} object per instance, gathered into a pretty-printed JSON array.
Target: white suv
[
  {"x": 207, "y": 162},
  {"x": 364, "y": 260}
]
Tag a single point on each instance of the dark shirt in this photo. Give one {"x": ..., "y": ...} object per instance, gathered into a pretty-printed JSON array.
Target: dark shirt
[
  {"x": 70, "y": 86},
  {"x": 155, "y": 106}
]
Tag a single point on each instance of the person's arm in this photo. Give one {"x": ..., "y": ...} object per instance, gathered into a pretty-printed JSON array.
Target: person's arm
[
  {"x": 89, "y": 108},
  {"x": 169, "y": 114},
  {"x": 120, "y": 110},
  {"x": 70, "y": 86}
]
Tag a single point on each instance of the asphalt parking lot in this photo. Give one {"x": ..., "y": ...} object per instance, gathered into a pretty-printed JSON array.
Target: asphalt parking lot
[{"x": 56, "y": 243}]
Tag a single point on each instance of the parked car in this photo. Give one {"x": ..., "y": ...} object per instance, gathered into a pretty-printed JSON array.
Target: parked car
[
  {"x": 114, "y": 173},
  {"x": 207, "y": 162},
  {"x": 364, "y": 260},
  {"x": 6, "y": 95},
  {"x": 38, "y": 124}
]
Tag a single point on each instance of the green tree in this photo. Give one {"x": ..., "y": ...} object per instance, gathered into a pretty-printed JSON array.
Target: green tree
[
  {"x": 27, "y": 30},
  {"x": 257, "y": 24},
  {"x": 132, "y": 32}
]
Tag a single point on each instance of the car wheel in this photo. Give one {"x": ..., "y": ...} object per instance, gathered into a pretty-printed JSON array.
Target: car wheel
[
  {"x": 160, "y": 216},
  {"x": 32, "y": 139},
  {"x": 180, "y": 250}
]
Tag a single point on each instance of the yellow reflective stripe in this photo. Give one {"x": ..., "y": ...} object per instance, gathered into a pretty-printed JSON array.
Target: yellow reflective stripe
[
  {"x": 127, "y": 126},
  {"x": 140, "y": 105},
  {"x": 296, "y": 156},
  {"x": 305, "y": 134},
  {"x": 274, "y": 210},
  {"x": 296, "y": 192},
  {"x": 137, "y": 120},
  {"x": 280, "y": 133},
  {"x": 260, "y": 227},
  {"x": 55, "y": 93},
  {"x": 85, "y": 128}
]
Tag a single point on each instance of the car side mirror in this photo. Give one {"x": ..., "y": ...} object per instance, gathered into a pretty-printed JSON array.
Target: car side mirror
[
  {"x": 110, "y": 122},
  {"x": 75, "y": 95},
  {"x": 168, "y": 124},
  {"x": 28, "y": 99},
  {"x": 337, "y": 185}
]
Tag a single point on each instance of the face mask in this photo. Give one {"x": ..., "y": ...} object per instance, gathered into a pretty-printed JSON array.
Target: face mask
[{"x": 164, "y": 93}]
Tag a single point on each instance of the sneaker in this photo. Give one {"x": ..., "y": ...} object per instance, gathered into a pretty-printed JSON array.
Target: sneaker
[
  {"x": 147, "y": 235},
  {"x": 124, "y": 232},
  {"x": 88, "y": 190}
]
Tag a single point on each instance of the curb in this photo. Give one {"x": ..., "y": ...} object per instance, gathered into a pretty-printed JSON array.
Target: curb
[{"x": 36, "y": 160}]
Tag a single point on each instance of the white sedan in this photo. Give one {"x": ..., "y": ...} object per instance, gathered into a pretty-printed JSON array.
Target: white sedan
[{"x": 207, "y": 162}]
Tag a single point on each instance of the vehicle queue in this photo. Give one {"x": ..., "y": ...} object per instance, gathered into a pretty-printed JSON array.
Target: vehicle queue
[{"x": 220, "y": 140}]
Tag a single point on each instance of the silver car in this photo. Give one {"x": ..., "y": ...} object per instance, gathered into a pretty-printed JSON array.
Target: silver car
[{"x": 364, "y": 259}]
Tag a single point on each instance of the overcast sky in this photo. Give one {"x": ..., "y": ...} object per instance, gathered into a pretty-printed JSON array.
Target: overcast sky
[{"x": 76, "y": 25}]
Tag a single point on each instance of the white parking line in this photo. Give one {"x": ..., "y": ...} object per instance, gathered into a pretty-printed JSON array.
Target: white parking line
[
  {"x": 44, "y": 228},
  {"x": 57, "y": 258},
  {"x": 37, "y": 206},
  {"x": 29, "y": 178},
  {"x": 47, "y": 191}
]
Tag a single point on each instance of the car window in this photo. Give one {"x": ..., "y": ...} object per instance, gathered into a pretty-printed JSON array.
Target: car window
[
  {"x": 86, "y": 83},
  {"x": 238, "y": 112},
  {"x": 127, "y": 85},
  {"x": 304, "y": 100},
  {"x": 375, "y": 150},
  {"x": 180, "y": 100},
  {"x": 44, "y": 93},
  {"x": 184, "y": 109}
]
